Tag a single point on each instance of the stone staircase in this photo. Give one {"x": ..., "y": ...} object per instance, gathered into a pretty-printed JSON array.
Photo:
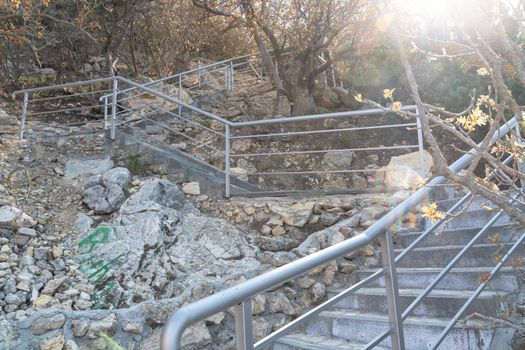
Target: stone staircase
[{"x": 360, "y": 317}]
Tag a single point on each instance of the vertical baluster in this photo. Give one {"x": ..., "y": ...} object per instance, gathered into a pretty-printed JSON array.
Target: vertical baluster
[
  {"x": 106, "y": 123},
  {"x": 227, "y": 162},
  {"x": 420, "y": 144},
  {"x": 114, "y": 108},
  {"x": 243, "y": 325},
  {"x": 180, "y": 94},
  {"x": 392, "y": 292},
  {"x": 23, "y": 114}
]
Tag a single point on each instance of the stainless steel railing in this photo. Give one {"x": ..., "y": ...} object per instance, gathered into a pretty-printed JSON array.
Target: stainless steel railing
[
  {"x": 130, "y": 106},
  {"x": 240, "y": 296}
]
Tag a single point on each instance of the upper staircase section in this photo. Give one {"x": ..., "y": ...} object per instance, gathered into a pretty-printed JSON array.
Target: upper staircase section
[{"x": 208, "y": 115}]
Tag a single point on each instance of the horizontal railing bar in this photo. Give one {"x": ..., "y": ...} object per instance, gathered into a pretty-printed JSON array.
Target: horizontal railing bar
[
  {"x": 183, "y": 134},
  {"x": 478, "y": 291},
  {"x": 33, "y": 100},
  {"x": 172, "y": 332},
  {"x": 177, "y": 132},
  {"x": 324, "y": 151},
  {"x": 328, "y": 171},
  {"x": 180, "y": 103},
  {"x": 63, "y": 110},
  {"x": 60, "y": 86},
  {"x": 188, "y": 120},
  {"x": 322, "y": 131},
  {"x": 322, "y": 116}
]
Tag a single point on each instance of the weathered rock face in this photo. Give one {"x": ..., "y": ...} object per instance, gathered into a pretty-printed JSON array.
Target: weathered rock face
[
  {"x": 105, "y": 193},
  {"x": 405, "y": 171},
  {"x": 162, "y": 246}
]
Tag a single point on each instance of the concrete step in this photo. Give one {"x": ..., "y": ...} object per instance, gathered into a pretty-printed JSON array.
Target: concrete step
[
  {"x": 455, "y": 236},
  {"x": 439, "y": 303},
  {"x": 307, "y": 342},
  {"x": 466, "y": 278},
  {"x": 479, "y": 255},
  {"x": 420, "y": 332},
  {"x": 473, "y": 218}
]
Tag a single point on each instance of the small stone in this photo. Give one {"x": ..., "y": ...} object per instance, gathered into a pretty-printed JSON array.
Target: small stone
[
  {"x": 192, "y": 188},
  {"x": 25, "y": 231},
  {"x": 249, "y": 210},
  {"x": 57, "y": 251},
  {"x": 43, "y": 301},
  {"x": 41, "y": 253},
  {"x": 318, "y": 292},
  {"x": 46, "y": 324},
  {"x": 13, "y": 218},
  {"x": 24, "y": 285},
  {"x": 305, "y": 282},
  {"x": 82, "y": 304},
  {"x": 278, "y": 231},
  {"x": 216, "y": 319},
  {"x": 59, "y": 171},
  {"x": 258, "y": 304},
  {"x": 53, "y": 285},
  {"x": 71, "y": 345},
  {"x": 266, "y": 230},
  {"x": 107, "y": 325},
  {"x": 136, "y": 328},
  {"x": 79, "y": 327},
  {"x": 55, "y": 342}
]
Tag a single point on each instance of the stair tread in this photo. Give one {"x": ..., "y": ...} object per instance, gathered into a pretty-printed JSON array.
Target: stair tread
[
  {"x": 436, "y": 293},
  {"x": 412, "y": 320},
  {"x": 320, "y": 342},
  {"x": 451, "y": 247},
  {"x": 458, "y": 229}
]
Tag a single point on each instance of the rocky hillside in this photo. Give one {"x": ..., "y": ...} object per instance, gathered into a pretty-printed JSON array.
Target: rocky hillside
[{"x": 89, "y": 250}]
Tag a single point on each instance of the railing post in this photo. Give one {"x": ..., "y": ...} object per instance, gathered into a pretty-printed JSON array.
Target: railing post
[
  {"x": 114, "y": 108},
  {"x": 227, "y": 78},
  {"x": 420, "y": 144},
  {"x": 521, "y": 164},
  {"x": 243, "y": 325},
  {"x": 227, "y": 162},
  {"x": 232, "y": 81},
  {"x": 199, "y": 72},
  {"x": 180, "y": 94},
  {"x": 392, "y": 292},
  {"x": 23, "y": 114},
  {"x": 106, "y": 123}
]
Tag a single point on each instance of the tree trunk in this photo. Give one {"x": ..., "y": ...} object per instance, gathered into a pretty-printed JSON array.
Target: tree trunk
[{"x": 302, "y": 103}]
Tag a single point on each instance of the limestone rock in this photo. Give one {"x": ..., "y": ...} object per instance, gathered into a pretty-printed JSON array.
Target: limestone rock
[
  {"x": 192, "y": 188},
  {"x": 83, "y": 168},
  {"x": 55, "y": 342},
  {"x": 240, "y": 173},
  {"x": 12, "y": 218},
  {"x": 319, "y": 240},
  {"x": 46, "y": 324},
  {"x": 405, "y": 171},
  {"x": 298, "y": 214},
  {"x": 105, "y": 193},
  {"x": 339, "y": 160}
]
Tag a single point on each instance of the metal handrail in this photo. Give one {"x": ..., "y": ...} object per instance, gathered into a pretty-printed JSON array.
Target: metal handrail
[{"x": 172, "y": 333}]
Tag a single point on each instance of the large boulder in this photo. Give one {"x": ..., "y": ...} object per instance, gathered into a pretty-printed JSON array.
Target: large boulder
[
  {"x": 105, "y": 193},
  {"x": 12, "y": 218},
  {"x": 405, "y": 171},
  {"x": 84, "y": 168}
]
